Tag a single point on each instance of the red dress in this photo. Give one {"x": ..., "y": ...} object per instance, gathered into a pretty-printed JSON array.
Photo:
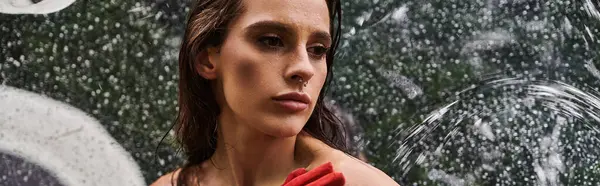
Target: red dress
[{"x": 320, "y": 176}]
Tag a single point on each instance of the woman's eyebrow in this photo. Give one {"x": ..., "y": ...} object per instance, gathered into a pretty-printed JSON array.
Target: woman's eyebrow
[
  {"x": 283, "y": 28},
  {"x": 323, "y": 36},
  {"x": 270, "y": 25}
]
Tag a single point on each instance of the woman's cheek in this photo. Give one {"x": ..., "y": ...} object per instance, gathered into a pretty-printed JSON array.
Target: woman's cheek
[{"x": 245, "y": 73}]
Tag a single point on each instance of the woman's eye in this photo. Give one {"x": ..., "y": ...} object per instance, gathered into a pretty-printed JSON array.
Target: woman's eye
[
  {"x": 318, "y": 51},
  {"x": 271, "y": 41}
]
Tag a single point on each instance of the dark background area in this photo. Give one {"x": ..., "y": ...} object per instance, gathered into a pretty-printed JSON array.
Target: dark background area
[{"x": 400, "y": 63}]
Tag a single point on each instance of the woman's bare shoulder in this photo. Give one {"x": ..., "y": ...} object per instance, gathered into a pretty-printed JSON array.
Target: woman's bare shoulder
[
  {"x": 169, "y": 179},
  {"x": 358, "y": 173}
]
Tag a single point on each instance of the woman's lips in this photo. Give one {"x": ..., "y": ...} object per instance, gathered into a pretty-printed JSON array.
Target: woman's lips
[
  {"x": 293, "y": 101},
  {"x": 291, "y": 105}
]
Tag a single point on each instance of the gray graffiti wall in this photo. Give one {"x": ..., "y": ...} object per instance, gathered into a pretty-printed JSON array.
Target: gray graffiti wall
[
  {"x": 57, "y": 137},
  {"x": 444, "y": 92},
  {"x": 113, "y": 65}
]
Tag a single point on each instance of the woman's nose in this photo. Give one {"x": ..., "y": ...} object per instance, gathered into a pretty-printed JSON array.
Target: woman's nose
[{"x": 301, "y": 69}]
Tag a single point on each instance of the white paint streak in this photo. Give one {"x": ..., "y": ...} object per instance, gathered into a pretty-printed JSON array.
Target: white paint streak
[
  {"x": 28, "y": 7},
  {"x": 64, "y": 140}
]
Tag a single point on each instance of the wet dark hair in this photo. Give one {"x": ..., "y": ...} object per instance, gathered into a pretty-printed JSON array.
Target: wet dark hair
[
  {"x": 355, "y": 142},
  {"x": 195, "y": 127}
]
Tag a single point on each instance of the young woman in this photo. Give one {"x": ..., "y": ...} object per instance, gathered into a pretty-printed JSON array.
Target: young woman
[{"x": 252, "y": 77}]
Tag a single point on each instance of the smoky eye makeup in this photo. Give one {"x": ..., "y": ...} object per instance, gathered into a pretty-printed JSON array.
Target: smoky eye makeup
[
  {"x": 274, "y": 36},
  {"x": 270, "y": 41},
  {"x": 318, "y": 51},
  {"x": 266, "y": 40}
]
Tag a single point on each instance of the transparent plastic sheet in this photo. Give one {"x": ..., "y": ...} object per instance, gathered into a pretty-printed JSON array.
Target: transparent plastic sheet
[{"x": 477, "y": 92}]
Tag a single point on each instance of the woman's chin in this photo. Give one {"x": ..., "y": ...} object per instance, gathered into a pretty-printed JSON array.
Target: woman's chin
[
  {"x": 284, "y": 131},
  {"x": 284, "y": 127},
  {"x": 287, "y": 132}
]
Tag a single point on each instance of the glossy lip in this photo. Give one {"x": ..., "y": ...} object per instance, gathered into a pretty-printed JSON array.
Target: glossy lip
[
  {"x": 293, "y": 96},
  {"x": 293, "y": 101}
]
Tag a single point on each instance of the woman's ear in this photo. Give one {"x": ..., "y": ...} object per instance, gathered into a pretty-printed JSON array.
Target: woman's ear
[{"x": 207, "y": 62}]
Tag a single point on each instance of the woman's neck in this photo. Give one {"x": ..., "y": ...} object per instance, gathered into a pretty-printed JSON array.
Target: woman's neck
[{"x": 246, "y": 156}]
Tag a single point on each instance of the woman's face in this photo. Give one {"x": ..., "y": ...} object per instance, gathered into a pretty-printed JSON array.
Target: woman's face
[{"x": 268, "y": 49}]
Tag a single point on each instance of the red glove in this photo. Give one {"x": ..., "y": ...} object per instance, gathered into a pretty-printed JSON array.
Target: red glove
[{"x": 320, "y": 176}]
